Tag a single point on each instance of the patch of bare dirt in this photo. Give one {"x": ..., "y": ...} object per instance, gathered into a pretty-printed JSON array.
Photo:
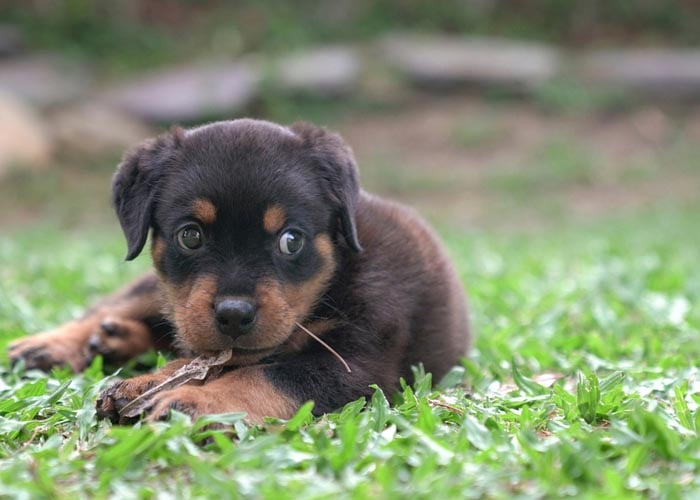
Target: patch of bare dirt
[
  {"x": 461, "y": 161},
  {"x": 514, "y": 164}
]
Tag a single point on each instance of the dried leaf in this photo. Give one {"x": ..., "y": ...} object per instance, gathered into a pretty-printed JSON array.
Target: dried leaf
[{"x": 197, "y": 369}]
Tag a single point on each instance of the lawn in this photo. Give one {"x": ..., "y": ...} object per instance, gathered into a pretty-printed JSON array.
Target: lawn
[{"x": 583, "y": 381}]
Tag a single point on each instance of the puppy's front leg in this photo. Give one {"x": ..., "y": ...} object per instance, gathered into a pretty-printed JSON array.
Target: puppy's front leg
[
  {"x": 117, "y": 327},
  {"x": 275, "y": 390}
]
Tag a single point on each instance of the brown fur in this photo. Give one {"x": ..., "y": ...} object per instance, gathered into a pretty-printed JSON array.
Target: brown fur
[
  {"x": 370, "y": 277},
  {"x": 279, "y": 306},
  {"x": 302, "y": 298},
  {"x": 243, "y": 390},
  {"x": 191, "y": 313},
  {"x": 276, "y": 315},
  {"x": 76, "y": 343},
  {"x": 120, "y": 339},
  {"x": 121, "y": 393},
  {"x": 66, "y": 343},
  {"x": 274, "y": 218},
  {"x": 204, "y": 210}
]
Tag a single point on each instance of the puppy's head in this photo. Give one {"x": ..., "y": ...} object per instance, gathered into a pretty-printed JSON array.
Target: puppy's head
[{"x": 247, "y": 218}]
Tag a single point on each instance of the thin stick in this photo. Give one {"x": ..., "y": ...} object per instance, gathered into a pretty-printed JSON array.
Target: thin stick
[{"x": 330, "y": 349}]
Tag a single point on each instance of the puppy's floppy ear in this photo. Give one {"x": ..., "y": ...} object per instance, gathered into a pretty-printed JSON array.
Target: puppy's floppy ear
[
  {"x": 335, "y": 165},
  {"x": 136, "y": 183}
]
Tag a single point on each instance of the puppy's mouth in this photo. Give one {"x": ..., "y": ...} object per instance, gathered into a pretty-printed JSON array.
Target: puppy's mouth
[
  {"x": 249, "y": 349},
  {"x": 241, "y": 356},
  {"x": 259, "y": 341},
  {"x": 246, "y": 350}
]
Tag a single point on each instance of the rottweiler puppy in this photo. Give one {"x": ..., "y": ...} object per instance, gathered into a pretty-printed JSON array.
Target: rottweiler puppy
[{"x": 258, "y": 233}]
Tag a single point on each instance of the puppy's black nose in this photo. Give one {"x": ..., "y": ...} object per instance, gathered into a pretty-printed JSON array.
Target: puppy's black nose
[{"x": 235, "y": 316}]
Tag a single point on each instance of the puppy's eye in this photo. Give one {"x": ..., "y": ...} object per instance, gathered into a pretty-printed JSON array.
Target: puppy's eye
[
  {"x": 189, "y": 237},
  {"x": 291, "y": 242}
]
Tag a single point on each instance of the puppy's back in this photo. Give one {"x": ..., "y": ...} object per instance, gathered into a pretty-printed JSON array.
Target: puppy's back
[{"x": 410, "y": 288}]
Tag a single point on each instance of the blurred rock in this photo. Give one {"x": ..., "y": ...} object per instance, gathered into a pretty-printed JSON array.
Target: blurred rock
[
  {"x": 667, "y": 74},
  {"x": 652, "y": 125},
  {"x": 328, "y": 72},
  {"x": 24, "y": 142},
  {"x": 92, "y": 129},
  {"x": 188, "y": 93},
  {"x": 439, "y": 62},
  {"x": 11, "y": 40},
  {"x": 44, "y": 80}
]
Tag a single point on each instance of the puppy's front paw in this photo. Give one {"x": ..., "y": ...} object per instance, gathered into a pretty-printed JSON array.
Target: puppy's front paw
[
  {"x": 192, "y": 401},
  {"x": 66, "y": 345},
  {"x": 119, "y": 339},
  {"x": 112, "y": 400}
]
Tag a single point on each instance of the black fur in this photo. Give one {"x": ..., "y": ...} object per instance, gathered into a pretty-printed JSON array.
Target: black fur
[
  {"x": 371, "y": 278},
  {"x": 393, "y": 304},
  {"x": 136, "y": 184}
]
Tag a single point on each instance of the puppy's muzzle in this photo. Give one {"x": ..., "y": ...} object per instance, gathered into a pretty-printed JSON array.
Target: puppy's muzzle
[{"x": 235, "y": 316}]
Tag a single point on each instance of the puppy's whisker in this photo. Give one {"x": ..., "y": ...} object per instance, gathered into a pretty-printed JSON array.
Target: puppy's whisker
[
  {"x": 328, "y": 302},
  {"x": 325, "y": 300},
  {"x": 329, "y": 348}
]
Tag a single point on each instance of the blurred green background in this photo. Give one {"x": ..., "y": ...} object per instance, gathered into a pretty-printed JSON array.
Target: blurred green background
[
  {"x": 605, "y": 121},
  {"x": 133, "y": 34},
  {"x": 554, "y": 144}
]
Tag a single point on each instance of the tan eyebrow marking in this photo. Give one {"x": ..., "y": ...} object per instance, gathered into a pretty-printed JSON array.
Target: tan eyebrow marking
[
  {"x": 274, "y": 218},
  {"x": 204, "y": 210}
]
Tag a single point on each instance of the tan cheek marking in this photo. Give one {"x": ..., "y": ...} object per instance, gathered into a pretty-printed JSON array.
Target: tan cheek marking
[
  {"x": 325, "y": 248},
  {"x": 204, "y": 210},
  {"x": 274, "y": 218},
  {"x": 303, "y": 297},
  {"x": 191, "y": 311},
  {"x": 275, "y": 320},
  {"x": 175, "y": 296}
]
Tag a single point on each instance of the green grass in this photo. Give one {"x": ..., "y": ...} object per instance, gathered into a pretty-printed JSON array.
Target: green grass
[{"x": 583, "y": 382}]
